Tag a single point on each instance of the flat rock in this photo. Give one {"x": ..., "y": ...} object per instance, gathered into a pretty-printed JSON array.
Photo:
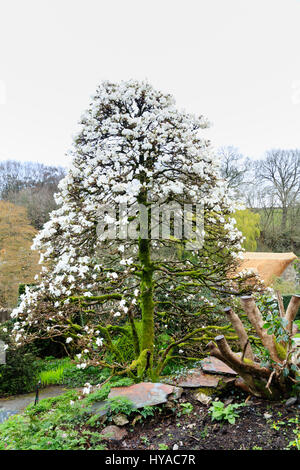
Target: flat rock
[
  {"x": 100, "y": 408},
  {"x": 204, "y": 399},
  {"x": 212, "y": 365},
  {"x": 144, "y": 393},
  {"x": 120, "y": 419},
  {"x": 113, "y": 433},
  {"x": 197, "y": 379},
  {"x": 176, "y": 394}
]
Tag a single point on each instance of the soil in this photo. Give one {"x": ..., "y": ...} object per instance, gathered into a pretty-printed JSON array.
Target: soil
[{"x": 197, "y": 431}]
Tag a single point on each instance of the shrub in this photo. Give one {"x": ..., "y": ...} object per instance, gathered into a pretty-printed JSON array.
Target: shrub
[{"x": 20, "y": 373}]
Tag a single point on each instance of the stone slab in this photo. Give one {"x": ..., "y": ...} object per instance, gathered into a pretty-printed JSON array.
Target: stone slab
[
  {"x": 198, "y": 379},
  {"x": 144, "y": 393},
  {"x": 100, "y": 408},
  {"x": 212, "y": 365}
]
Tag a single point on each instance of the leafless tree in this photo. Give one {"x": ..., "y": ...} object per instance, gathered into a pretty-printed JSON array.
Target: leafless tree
[
  {"x": 280, "y": 172},
  {"x": 234, "y": 166}
]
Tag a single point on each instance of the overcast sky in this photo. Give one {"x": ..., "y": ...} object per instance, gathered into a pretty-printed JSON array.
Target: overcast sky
[{"x": 235, "y": 61}]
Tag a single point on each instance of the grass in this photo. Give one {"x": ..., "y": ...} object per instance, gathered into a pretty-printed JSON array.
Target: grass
[
  {"x": 52, "y": 377},
  {"x": 53, "y": 371}
]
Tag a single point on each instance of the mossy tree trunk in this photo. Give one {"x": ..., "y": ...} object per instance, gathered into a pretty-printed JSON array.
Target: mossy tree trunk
[
  {"x": 147, "y": 301},
  {"x": 146, "y": 283}
]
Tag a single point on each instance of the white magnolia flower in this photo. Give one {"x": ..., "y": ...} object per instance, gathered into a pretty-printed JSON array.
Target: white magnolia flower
[
  {"x": 69, "y": 339},
  {"x": 81, "y": 366},
  {"x": 99, "y": 341},
  {"x": 87, "y": 389}
]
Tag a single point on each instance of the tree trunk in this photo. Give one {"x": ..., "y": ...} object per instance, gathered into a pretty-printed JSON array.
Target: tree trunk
[
  {"x": 284, "y": 218},
  {"x": 146, "y": 300}
]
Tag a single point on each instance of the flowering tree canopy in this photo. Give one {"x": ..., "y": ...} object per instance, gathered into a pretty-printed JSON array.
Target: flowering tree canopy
[{"x": 106, "y": 269}]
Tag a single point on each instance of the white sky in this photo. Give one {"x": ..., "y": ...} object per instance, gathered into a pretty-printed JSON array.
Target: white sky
[{"x": 235, "y": 61}]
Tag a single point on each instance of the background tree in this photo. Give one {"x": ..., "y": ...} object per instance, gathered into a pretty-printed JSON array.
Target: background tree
[
  {"x": 18, "y": 263},
  {"x": 271, "y": 189},
  {"x": 31, "y": 185},
  {"x": 133, "y": 147},
  {"x": 248, "y": 223},
  {"x": 280, "y": 170},
  {"x": 235, "y": 168}
]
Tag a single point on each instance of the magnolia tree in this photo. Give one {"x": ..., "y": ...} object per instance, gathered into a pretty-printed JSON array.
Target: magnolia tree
[{"x": 144, "y": 224}]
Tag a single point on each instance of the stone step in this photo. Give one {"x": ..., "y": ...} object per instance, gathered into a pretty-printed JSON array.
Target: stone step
[
  {"x": 198, "y": 378},
  {"x": 144, "y": 393},
  {"x": 212, "y": 365}
]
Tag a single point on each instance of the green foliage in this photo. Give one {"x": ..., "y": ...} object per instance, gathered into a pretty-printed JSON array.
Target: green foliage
[
  {"x": 20, "y": 373},
  {"x": 64, "y": 371},
  {"x": 147, "y": 411},
  {"x": 52, "y": 377},
  {"x": 98, "y": 395},
  {"x": 276, "y": 325},
  {"x": 187, "y": 408},
  {"x": 120, "y": 405},
  {"x": 64, "y": 422},
  {"x": 220, "y": 412},
  {"x": 103, "y": 392},
  {"x": 162, "y": 447},
  {"x": 248, "y": 223},
  {"x": 295, "y": 443},
  {"x": 124, "y": 343},
  {"x": 74, "y": 377},
  {"x": 52, "y": 424}
]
